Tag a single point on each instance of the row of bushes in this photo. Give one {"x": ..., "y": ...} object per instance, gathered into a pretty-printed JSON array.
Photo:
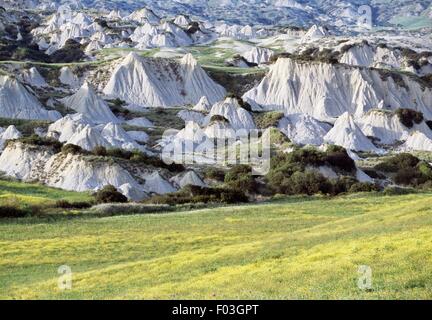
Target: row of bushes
[
  {"x": 407, "y": 170},
  {"x": 311, "y": 182},
  {"x": 15, "y": 210},
  {"x": 313, "y": 54},
  {"x": 26, "y": 127},
  {"x": 108, "y": 194},
  {"x": 196, "y": 194},
  {"x": 299, "y": 159},
  {"x": 134, "y": 156},
  {"x": 35, "y": 140},
  {"x": 293, "y": 173}
]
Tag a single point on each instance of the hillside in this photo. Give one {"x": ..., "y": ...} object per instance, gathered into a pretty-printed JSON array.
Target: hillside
[{"x": 297, "y": 248}]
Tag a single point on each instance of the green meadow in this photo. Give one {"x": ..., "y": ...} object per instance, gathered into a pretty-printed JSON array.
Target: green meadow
[
  {"x": 293, "y": 248},
  {"x": 27, "y": 194}
]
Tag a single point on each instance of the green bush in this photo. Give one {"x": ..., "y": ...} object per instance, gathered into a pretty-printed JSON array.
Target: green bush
[
  {"x": 215, "y": 174},
  {"x": 36, "y": 140},
  {"x": 64, "y": 204},
  {"x": 290, "y": 174},
  {"x": 338, "y": 157},
  {"x": 406, "y": 169},
  {"x": 425, "y": 168},
  {"x": 72, "y": 149},
  {"x": 397, "y": 191},
  {"x": 409, "y": 177},
  {"x": 240, "y": 178},
  {"x": 72, "y": 51},
  {"x": 397, "y": 162},
  {"x": 119, "y": 153},
  {"x": 309, "y": 183},
  {"x": 26, "y": 127},
  {"x": 266, "y": 120},
  {"x": 277, "y": 137},
  {"x": 408, "y": 117},
  {"x": 12, "y": 212},
  {"x": 100, "y": 151},
  {"x": 363, "y": 187},
  {"x": 196, "y": 194},
  {"x": 109, "y": 194},
  {"x": 343, "y": 185}
]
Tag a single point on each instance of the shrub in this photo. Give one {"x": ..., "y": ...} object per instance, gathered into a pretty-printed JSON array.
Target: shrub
[
  {"x": 425, "y": 168},
  {"x": 409, "y": 176},
  {"x": 328, "y": 56},
  {"x": 215, "y": 174},
  {"x": 408, "y": 117},
  {"x": 343, "y": 185},
  {"x": 100, "y": 151},
  {"x": 363, "y": 187},
  {"x": 139, "y": 157},
  {"x": 240, "y": 178},
  {"x": 277, "y": 137},
  {"x": 309, "y": 183},
  {"x": 275, "y": 57},
  {"x": 345, "y": 48},
  {"x": 240, "y": 101},
  {"x": 288, "y": 170},
  {"x": 339, "y": 158},
  {"x": 103, "y": 23},
  {"x": 72, "y": 51},
  {"x": 307, "y": 156},
  {"x": 400, "y": 161},
  {"x": 36, "y": 140},
  {"x": 109, "y": 209},
  {"x": 12, "y": 212},
  {"x": 64, "y": 204},
  {"x": 426, "y": 81},
  {"x": 429, "y": 122},
  {"x": 230, "y": 196},
  {"x": 193, "y": 28},
  {"x": 109, "y": 194},
  {"x": 218, "y": 117},
  {"x": 119, "y": 153},
  {"x": 397, "y": 191},
  {"x": 195, "y": 194},
  {"x": 26, "y": 53},
  {"x": 266, "y": 120},
  {"x": 72, "y": 149},
  {"x": 407, "y": 169}
]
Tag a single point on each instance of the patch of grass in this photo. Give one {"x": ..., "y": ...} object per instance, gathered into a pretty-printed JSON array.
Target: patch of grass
[
  {"x": 24, "y": 126},
  {"x": 266, "y": 120},
  {"x": 36, "y": 194},
  {"x": 299, "y": 248},
  {"x": 165, "y": 118}
]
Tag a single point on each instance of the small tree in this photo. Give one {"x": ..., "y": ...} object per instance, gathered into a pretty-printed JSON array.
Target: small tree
[{"x": 109, "y": 194}]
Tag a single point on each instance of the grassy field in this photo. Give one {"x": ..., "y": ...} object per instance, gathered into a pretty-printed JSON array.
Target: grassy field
[
  {"x": 297, "y": 248},
  {"x": 36, "y": 194}
]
